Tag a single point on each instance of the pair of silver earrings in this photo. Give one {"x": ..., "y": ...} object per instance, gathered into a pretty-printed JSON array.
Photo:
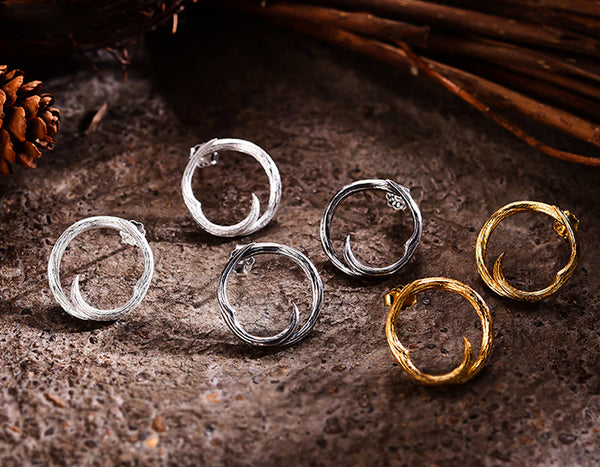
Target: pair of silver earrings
[{"x": 242, "y": 258}]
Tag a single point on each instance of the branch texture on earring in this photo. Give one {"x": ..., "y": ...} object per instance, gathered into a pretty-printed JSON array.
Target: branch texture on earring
[
  {"x": 565, "y": 224},
  {"x": 399, "y": 198},
  {"x": 241, "y": 261},
  {"x": 205, "y": 155},
  {"x": 402, "y": 298},
  {"x": 132, "y": 233}
]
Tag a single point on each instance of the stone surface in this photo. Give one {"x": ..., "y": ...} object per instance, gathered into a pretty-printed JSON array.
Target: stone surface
[{"x": 171, "y": 385}]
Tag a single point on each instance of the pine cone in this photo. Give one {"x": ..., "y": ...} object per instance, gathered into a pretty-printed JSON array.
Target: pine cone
[{"x": 28, "y": 122}]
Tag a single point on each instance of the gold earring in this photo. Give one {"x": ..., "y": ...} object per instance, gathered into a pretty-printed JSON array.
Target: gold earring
[
  {"x": 565, "y": 224},
  {"x": 401, "y": 298}
]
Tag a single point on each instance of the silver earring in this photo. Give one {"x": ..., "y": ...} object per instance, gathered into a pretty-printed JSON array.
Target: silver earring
[
  {"x": 205, "y": 155},
  {"x": 132, "y": 233},
  {"x": 241, "y": 261},
  {"x": 399, "y": 198}
]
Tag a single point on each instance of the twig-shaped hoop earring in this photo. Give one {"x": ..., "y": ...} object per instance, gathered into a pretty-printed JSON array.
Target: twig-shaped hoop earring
[
  {"x": 398, "y": 198},
  {"x": 565, "y": 224},
  {"x": 132, "y": 233},
  {"x": 402, "y": 298},
  {"x": 205, "y": 155},
  {"x": 241, "y": 261}
]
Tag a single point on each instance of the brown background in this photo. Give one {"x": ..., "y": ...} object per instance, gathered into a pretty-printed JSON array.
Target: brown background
[{"x": 74, "y": 392}]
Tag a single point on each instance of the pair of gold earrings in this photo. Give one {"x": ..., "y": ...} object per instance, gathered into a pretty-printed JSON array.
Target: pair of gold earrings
[{"x": 402, "y": 298}]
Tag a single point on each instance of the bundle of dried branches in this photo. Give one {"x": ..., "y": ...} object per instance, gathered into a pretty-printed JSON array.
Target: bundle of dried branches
[{"x": 536, "y": 58}]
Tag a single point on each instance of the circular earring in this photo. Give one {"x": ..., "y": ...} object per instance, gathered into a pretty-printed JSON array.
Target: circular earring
[
  {"x": 241, "y": 261},
  {"x": 565, "y": 224},
  {"x": 132, "y": 233},
  {"x": 401, "y": 298},
  {"x": 205, "y": 155},
  {"x": 398, "y": 198}
]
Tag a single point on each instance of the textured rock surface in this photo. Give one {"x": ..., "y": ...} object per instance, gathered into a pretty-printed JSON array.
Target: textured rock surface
[{"x": 170, "y": 384}]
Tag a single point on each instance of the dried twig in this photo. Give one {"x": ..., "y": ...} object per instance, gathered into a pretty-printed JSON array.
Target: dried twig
[
  {"x": 97, "y": 118},
  {"x": 485, "y": 24},
  {"x": 362, "y": 23},
  {"x": 510, "y": 55},
  {"x": 538, "y": 89},
  {"x": 587, "y": 7}
]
